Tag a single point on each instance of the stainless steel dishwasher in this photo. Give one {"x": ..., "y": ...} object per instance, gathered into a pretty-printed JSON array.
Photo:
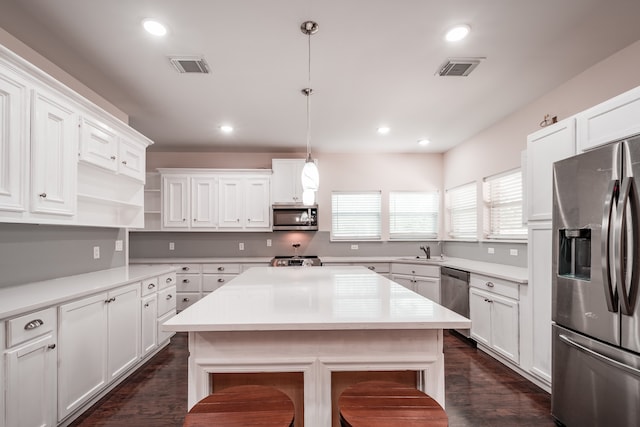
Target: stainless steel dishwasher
[{"x": 454, "y": 293}]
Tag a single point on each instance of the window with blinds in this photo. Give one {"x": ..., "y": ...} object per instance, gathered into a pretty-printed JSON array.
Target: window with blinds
[
  {"x": 503, "y": 203},
  {"x": 413, "y": 215},
  {"x": 356, "y": 215},
  {"x": 462, "y": 212}
]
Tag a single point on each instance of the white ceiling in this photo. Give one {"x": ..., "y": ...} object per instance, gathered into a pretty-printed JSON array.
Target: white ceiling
[{"x": 373, "y": 63}]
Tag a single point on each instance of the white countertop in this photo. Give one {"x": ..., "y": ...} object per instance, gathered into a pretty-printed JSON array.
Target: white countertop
[
  {"x": 311, "y": 298},
  {"x": 21, "y": 299}
]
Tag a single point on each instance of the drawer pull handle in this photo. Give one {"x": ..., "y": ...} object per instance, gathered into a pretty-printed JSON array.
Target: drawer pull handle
[
  {"x": 169, "y": 280},
  {"x": 51, "y": 346},
  {"x": 413, "y": 272},
  {"x": 112, "y": 157},
  {"x": 185, "y": 299},
  {"x": 124, "y": 162},
  {"x": 169, "y": 297},
  {"x": 490, "y": 284},
  {"x": 33, "y": 324},
  {"x": 220, "y": 268},
  {"x": 371, "y": 267},
  {"x": 151, "y": 286},
  {"x": 110, "y": 300},
  {"x": 185, "y": 280},
  {"x": 146, "y": 305},
  {"x": 220, "y": 280},
  {"x": 43, "y": 195},
  {"x": 185, "y": 268}
]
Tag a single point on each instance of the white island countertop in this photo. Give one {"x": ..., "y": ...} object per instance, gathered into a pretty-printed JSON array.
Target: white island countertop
[{"x": 312, "y": 298}]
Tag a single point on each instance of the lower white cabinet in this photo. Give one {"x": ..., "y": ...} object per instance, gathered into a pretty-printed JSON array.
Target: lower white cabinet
[
  {"x": 99, "y": 339},
  {"x": 422, "y": 279},
  {"x": 149, "y": 326},
  {"x": 494, "y": 316}
]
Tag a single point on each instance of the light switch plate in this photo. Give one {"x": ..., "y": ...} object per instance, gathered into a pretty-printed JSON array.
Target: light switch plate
[
  {"x": 491, "y": 250},
  {"x": 96, "y": 252},
  {"x": 354, "y": 247},
  {"x": 513, "y": 252},
  {"x": 269, "y": 242},
  {"x": 172, "y": 246},
  {"x": 241, "y": 246},
  {"x": 118, "y": 245}
]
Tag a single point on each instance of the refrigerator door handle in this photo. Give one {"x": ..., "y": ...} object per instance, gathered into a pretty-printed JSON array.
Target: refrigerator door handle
[
  {"x": 609, "y": 290},
  {"x": 627, "y": 294},
  {"x": 609, "y": 361}
]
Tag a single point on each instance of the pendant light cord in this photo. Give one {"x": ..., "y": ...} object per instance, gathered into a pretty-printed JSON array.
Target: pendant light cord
[{"x": 308, "y": 93}]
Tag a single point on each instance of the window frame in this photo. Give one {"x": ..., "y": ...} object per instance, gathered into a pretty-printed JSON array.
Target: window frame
[
  {"x": 434, "y": 195},
  {"x": 355, "y": 238},
  {"x": 450, "y": 211},
  {"x": 489, "y": 208}
]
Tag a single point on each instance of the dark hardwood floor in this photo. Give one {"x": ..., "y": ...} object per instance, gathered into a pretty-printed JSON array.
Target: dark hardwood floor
[{"x": 479, "y": 392}]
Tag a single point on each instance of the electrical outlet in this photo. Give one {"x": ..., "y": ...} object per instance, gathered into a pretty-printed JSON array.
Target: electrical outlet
[
  {"x": 269, "y": 242},
  {"x": 241, "y": 246},
  {"x": 513, "y": 252},
  {"x": 96, "y": 252},
  {"x": 172, "y": 246},
  {"x": 491, "y": 250},
  {"x": 354, "y": 247},
  {"x": 118, "y": 245}
]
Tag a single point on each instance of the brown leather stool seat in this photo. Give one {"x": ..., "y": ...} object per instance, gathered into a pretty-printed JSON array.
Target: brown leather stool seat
[
  {"x": 245, "y": 405},
  {"x": 388, "y": 404}
]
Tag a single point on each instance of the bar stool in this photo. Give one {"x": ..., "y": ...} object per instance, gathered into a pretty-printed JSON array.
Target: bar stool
[
  {"x": 388, "y": 404},
  {"x": 245, "y": 405}
]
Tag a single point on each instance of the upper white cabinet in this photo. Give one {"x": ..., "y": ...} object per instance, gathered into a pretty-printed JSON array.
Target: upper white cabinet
[
  {"x": 609, "y": 121},
  {"x": 98, "y": 144},
  {"x": 286, "y": 182},
  {"x": 216, "y": 199},
  {"x": 544, "y": 147}
]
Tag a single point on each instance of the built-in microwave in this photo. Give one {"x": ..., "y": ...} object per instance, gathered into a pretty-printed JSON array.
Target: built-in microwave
[{"x": 295, "y": 217}]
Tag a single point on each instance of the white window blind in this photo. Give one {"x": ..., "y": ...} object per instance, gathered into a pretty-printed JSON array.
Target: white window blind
[
  {"x": 462, "y": 213},
  {"x": 413, "y": 215},
  {"x": 503, "y": 201},
  {"x": 356, "y": 215}
]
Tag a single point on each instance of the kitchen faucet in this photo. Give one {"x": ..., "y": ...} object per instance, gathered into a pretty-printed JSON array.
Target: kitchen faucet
[{"x": 427, "y": 251}]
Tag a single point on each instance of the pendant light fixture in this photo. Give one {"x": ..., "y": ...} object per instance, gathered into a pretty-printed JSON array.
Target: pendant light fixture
[{"x": 310, "y": 176}]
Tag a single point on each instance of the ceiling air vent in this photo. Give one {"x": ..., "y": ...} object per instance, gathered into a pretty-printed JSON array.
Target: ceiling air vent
[
  {"x": 458, "y": 67},
  {"x": 190, "y": 64}
]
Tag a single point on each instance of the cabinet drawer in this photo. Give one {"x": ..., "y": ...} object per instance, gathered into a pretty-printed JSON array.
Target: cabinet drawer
[
  {"x": 167, "y": 280},
  {"x": 221, "y": 268},
  {"x": 417, "y": 270},
  {"x": 495, "y": 285},
  {"x": 188, "y": 268},
  {"x": 149, "y": 286},
  {"x": 211, "y": 282},
  {"x": 162, "y": 334},
  {"x": 378, "y": 267},
  {"x": 167, "y": 300},
  {"x": 186, "y": 299},
  {"x": 24, "y": 328},
  {"x": 188, "y": 282}
]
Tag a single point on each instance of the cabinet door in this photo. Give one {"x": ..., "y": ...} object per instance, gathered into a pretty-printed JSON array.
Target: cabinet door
[
  {"x": 54, "y": 141},
  {"x": 123, "y": 329},
  {"x": 286, "y": 180},
  {"x": 175, "y": 201},
  {"x": 545, "y": 147},
  {"x": 131, "y": 159},
  {"x": 406, "y": 281},
  {"x": 504, "y": 327},
  {"x": 204, "y": 202},
  {"x": 428, "y": 287},
  {"x": 13, "y": 142},
  {"x": 149, "y": 332},
  {"x": 98, "y": 144},
  {"x": 82, "y": 352},
  {"x": 480, "y": 314},
  {"x": 257, "y": 204},
  {"x": 540, "y": 244},
  {"x": 31, "y": 383},
  {"x": 231, "y": 203}
]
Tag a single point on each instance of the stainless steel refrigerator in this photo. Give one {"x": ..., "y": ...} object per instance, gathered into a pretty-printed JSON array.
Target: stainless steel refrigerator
[{"x": 596, "y": 261}]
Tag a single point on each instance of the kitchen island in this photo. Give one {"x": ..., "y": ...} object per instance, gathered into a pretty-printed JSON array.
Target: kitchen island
[{"x": 315, "y": 321}]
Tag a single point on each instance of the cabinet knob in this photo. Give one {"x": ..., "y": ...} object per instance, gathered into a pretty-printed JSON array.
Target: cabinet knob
[
  {"x": 195, "y": 220},
  {"x": 238, "y": 220},
  {"x": 124, "y": 162},
  {"x": 151, "y": 286},
  {"x": 33, "y": 324},
  {"x": 185, "y": 280},
  {"x": 490, "y": 284},
  {"x": 146, "y": 305},
  {"x": 220, "y": 268},
  {"x": 184, "y": 219},
  {"x": 112, "y": 157},
  {"x": 51, "y": 346},
  {"x": 220, "y": 280},
  {"x": 169, "y": 280},
  {"x": 169, "y": 297},
  {"x": 413, "y": 272},
  {"x": 371, "y": 267},
  {"x": 185, "y": 299},
  {"x": 185, "y": 268},
  {"x": 43, "y": 195}
]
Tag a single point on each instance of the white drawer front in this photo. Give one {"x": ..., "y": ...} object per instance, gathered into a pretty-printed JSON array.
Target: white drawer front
[
  {"x": 167, "y": 280},
  {"x": 188, "y": 282},
  {"x": 378, "y": 267},
  {"x": 495, "y": 285},
  {"x": 416, "y": 270},
  {"x": 188, "y": 268},
  {"x": 221, "y": 268},
  {"x": 186, "y": 299},
  {"x": 24, "y": 328},
  {"x": 167, "y": 300},
  {"x": 211, "y": 282},
  {"x": 149, "y": 286}
]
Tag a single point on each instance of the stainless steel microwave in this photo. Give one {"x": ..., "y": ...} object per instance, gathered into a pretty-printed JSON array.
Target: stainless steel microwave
[{"x": 295, "y": 217}]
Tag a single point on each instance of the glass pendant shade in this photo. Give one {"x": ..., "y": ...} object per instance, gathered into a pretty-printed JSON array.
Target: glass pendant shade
[
  {"x": 310, "y": 176},
  {"x": 308, "y": 197}
]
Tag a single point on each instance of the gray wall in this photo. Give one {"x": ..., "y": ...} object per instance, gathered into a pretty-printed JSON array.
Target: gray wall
[
  {"x": 31, "y": 252},
  {"x": 220, "y": 244}
]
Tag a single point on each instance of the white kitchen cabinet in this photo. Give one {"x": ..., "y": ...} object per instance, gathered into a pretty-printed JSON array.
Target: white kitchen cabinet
[
  {"x": 609, "y": 121},
  {"x": 175, "y": 201},
  {"x": 231, "y": 202},
  {"x": 187, "y": 299},
  {"x": 420, "y": 278},
  {"x": 149, "y": 326},
  {"x": 14, "y": 143},
  {"x": 493, "y": 307},
  {"x": 257, "y": 203},
  {"x": 131, "y": 158},
  {"x": 204, "y": 202},
  {"x": 286, "y": 182},
  {"x": 98, "y": 144},
  {"x": 189, "y": 202},
  {"x": 244, "y": 203},
  {"x": 54, "y": 141},
  {"x": 215, "y": 275},
  {"x": 99, "y": 339},
  {"x": 544, "y": 147}
]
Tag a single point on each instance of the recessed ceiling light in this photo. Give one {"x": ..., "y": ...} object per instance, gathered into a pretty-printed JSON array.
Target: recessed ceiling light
[
  {"x": 457, "y": 33},
  {"x": 154, "y": 27},
  {"x": 226, "y": 129},
  {"x": 384, "y": 130},
  {"x": 423, "y": 142}
]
